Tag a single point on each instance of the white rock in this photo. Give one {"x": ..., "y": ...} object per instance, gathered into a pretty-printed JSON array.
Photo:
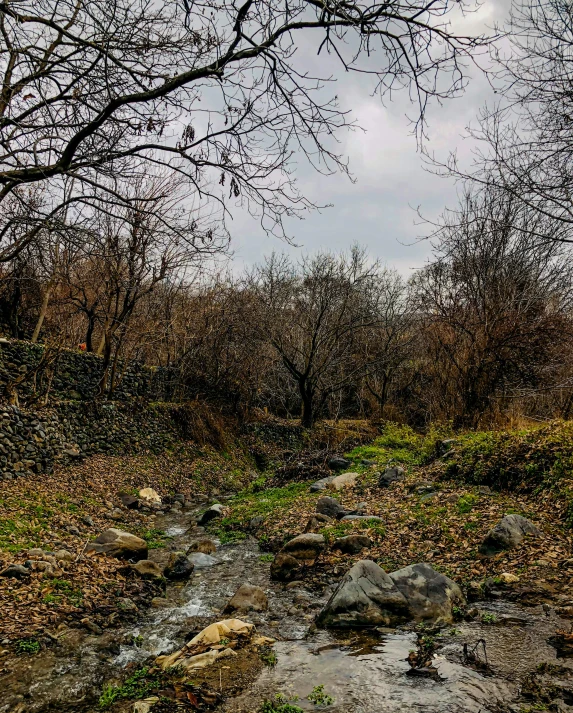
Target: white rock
[{"x": 150, "y": 496}]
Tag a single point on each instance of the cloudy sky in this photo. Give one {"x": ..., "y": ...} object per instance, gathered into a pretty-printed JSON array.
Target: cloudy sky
[{"x": 378, "y": 210}]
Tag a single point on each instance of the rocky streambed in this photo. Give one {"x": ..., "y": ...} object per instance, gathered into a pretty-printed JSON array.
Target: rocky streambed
[{"x": 499, "y": 659}]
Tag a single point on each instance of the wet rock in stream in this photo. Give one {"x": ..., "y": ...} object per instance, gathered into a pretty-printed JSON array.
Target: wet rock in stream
[{"x": 367, "y": 596}]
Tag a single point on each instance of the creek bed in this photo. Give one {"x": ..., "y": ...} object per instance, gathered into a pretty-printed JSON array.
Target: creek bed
[{"x": 364, "y": 673}]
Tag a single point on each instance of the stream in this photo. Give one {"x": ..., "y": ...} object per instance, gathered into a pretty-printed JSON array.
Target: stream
[{"x": 364, "y": 673}]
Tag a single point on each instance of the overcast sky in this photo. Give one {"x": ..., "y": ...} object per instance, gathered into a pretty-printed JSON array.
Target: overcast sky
[{"x": 378, "y": 210}]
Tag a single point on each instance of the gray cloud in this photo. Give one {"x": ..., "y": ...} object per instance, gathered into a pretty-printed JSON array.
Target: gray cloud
[{"x": 378, "y": 210}]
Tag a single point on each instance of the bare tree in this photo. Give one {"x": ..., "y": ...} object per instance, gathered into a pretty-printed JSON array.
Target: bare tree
[
  {"x": 524, "y": 140},
  {"x": 313, "y": 315},
  {"x": 496, "y": 304},
  {"x": 95, "y": 90}
]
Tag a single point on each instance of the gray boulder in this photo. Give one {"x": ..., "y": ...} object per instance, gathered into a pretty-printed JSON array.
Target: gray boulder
[
  {"x": 366, "y": 596},
  {"x": 305, "y": 547},
  {"x": 330, "y": 506},
  {"x": 248, "y": 597},
  {"x": 211, "y": 513},
  {"x": 120, "y": 544},
  {"x": 508, "y": 533},
  {"x": 351, "y": 544},
  {"x": 391, "y": 475},
  {"x": 430, "y": 595}
]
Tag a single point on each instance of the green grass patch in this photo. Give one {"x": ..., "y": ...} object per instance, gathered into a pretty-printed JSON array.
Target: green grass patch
[
  {"x": 28, "y": 646},
  {"x": 139, "y": 685},
  {"x": 155, "y": 538},
  {"x": 247, "y": 505}
]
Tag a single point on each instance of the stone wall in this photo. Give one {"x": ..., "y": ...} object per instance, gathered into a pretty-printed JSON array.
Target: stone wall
[
  {"x": 75, "y": 375},
  {"x": 33, "y": 441}
]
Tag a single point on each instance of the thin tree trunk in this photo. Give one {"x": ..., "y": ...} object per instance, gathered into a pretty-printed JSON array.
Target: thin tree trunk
[{"x": 43, "y": 311}]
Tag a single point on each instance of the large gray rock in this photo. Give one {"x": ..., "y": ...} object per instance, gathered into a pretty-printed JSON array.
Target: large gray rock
[
  {"x": 248, "y": 597},
  {"x": 508, "y": 533},
  {"x": 120, "y": 544},
  {"x": 330, "y": 506},
  {"x": 430, "y": 595},
  {"x": 366, "y": 596},
  {"x": 305, "y": 547}
]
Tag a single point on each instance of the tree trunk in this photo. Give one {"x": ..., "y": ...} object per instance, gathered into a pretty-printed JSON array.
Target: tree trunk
[
  {"x": 90, "y": 333},
  {"x": 307, "y": 416},
  {"x": 42, "y": 315}
]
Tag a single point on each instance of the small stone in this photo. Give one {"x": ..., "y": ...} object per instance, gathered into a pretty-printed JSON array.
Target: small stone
[
  {"x": 352, "y": 544},
  {"x": 207, "y": 547},
  {"x": 345, "y": 480},
  {"x": 247, "y": 598},
  {"x": 256, "y": 522},
  {"x": 509, "y": 578},
  {"x": 35, "y": 552},
  {"x": 150, "y": 496},
  {"x": 284, "y": 567},
  {"x": 15, "y": 571},
  {"x": 73, "y": 530},
  {"x": 64, "y": 555},
  {"x": 127, "y": 604},
  {"x": 130, "y": 502},
  {"x": 321, "y": 484},
  {"x": 391, "y": 475},
  {"x": 87, "y": 520},
  {"x": 115, "y": 514},
  {"x": 338, "y": 463},
  {"x": 148, "y": 569},
  {"x": 161, "y": 603},
  {"x": 330, "y": 507},
  {"x": 118, "y": 543},
  {"x": 92, "y": 626},
  {"x": 179, "y": 566},
  {"x": 305, "y": 547},
  {"x": 211, "y": 513}
]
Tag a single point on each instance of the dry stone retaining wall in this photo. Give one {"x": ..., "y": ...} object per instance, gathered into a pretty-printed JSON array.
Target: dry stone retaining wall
[
  {"x": 32, "y": 441},
  {"x": 76, "y": 375}
]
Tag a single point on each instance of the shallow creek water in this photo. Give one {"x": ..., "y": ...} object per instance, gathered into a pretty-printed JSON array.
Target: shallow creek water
[{"x": 364, "y": 673}]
